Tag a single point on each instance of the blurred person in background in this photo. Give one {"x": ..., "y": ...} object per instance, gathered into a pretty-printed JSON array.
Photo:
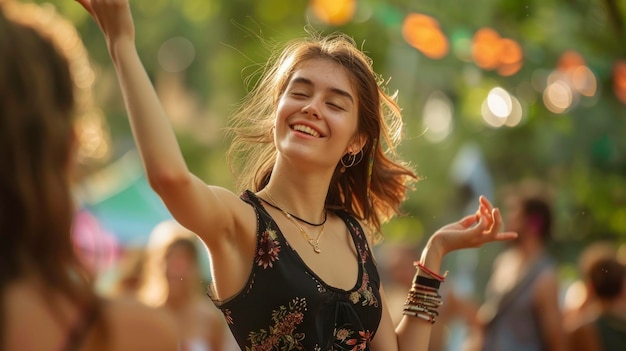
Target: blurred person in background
[
  {"x": 604, "y": 330},
  {"x": 47, "y": 298},
  {"x": 580, "y": 303},
  {"x": 290, "y": 254},
  {"x": 521, "y": 309},
  {"x": 172, "y": 280}
]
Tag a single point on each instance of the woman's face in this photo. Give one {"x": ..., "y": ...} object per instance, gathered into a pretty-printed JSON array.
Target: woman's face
[
  {"x": 317, "y": 115},
  {"x": 179, "y": 266}
]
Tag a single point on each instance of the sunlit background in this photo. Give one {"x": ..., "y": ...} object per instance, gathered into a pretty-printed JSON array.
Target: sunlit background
[{"x": 492, "y": 91}]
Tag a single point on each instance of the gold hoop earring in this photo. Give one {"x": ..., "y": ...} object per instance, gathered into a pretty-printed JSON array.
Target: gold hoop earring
[{"x": 351, "y": 160}]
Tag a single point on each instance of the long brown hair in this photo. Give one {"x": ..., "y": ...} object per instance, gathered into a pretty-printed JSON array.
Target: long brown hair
[
  {"x": 36, "y": 139},
  {"x": 375, "y": 198}
]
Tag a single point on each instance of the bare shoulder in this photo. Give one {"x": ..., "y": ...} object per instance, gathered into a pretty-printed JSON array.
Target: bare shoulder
[
  {"x": 233, "y": 202},
  {"x": 222, "y": 221},
  {"x": 133, "y": 326}
]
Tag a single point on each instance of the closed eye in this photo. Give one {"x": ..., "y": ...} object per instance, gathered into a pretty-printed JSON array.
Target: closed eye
[{"x": 335, "y": 106}]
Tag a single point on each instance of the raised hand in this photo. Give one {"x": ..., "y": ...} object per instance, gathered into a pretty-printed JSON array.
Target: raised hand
[
  {"x": 472, "y": 231},
  {"x": 114, "y": 18}
]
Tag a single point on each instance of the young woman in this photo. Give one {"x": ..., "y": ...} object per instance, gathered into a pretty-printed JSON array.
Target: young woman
[
  {"x": 47, "y": 301},
  {"x": 172, "y": 280},
  {"x": 291, "y": 261}
]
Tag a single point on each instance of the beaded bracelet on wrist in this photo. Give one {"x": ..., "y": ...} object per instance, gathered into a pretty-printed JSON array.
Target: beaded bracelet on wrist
[
  {"x": 428, "y": 318},
  {"x": 422, "y": 267},
  {"x": 425, "y": 281}
]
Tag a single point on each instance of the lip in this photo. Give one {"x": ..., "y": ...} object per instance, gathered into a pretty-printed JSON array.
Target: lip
[{"x": 309, "y": 125}]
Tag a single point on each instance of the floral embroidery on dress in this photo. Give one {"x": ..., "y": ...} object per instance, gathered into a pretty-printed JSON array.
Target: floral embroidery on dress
[
  {"x": 228, "y": 316},
  {"x": 269, "y": 247},
  {"x": 365, "y": 291},
  {"x": 282, "y": 335},
  {"x": 361, "y": 248},
  {"x": 347, "y": 339}
]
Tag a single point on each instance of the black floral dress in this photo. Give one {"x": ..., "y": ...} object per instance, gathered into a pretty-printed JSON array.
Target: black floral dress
[{"x": 286, "y": 306}]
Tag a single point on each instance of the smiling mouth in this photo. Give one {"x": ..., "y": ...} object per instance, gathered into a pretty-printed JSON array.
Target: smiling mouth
[{"x": 306, "y": 130}]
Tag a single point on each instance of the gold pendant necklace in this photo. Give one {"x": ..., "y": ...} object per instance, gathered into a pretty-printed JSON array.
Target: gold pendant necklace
[{"x": 315, "y": 243}]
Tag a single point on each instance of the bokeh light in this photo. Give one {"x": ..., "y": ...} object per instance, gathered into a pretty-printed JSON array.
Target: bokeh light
[
  {"x": 580, "y": 78},
  {"x": 333, "y": 12},
  {"x": 568, "y": 83},
  {"x": 619, "y": 80},
  {"x": 423, "y": 33},
  {"x": 438, "y": 119},
  {"x": 176, "y": 54},
  {"x": 492, "y": 52},
  {"x": 558, "y": 96},
  {"x": 501, "y": 108}
]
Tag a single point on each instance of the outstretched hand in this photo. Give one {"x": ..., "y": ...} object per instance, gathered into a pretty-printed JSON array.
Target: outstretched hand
[
  {"x": 113, "y": 17},
  {"x": 473, "y": 231}
]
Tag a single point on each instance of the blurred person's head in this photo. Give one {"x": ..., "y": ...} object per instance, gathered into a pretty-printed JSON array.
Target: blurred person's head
[
  {"x": 181, "y": 265},
  {"x": 529, "y": 213},
  {"x": 172, "y": 267},
  {"x": 607, "y": 278},
  {"x": 37, "y": 106},
  {"x": 36, "y": 151},
  {"x": 36, "y": 139},
  {"x": 593, "y": 253},
  {"x": 578, "y": 295}
]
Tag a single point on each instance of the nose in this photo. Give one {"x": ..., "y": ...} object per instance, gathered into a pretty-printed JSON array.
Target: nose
[{"x": 311, "y": 109}]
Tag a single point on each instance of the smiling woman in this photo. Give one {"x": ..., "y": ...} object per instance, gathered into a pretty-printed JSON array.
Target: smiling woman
[{"x": 315, "y": 141}]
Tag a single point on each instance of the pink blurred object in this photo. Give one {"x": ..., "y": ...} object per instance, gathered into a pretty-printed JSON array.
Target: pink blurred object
[{"x": 96, "y": 247}]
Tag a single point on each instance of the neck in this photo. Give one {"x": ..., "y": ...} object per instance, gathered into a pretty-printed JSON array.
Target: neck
[
  {"x": 178, "y": 299},
  {"x": 301, "y": 195}
]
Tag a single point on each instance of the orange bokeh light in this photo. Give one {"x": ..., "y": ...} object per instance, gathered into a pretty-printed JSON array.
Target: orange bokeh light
[
  {"x": 492, "y": 52},
  {"x": 334, "y": 12},
  {"x": 619, "y": 80},
  {"x": 423, "y": 33},
  {"x": 570, "y": 60}
]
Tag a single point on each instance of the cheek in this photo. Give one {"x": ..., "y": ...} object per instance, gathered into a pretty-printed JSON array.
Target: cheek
[
  {"x": 284, "y": 107},
  {"x": 177, "y": 269}
]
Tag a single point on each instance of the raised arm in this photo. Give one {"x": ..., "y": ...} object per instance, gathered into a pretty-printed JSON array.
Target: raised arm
[
  {"x": 413, "y": 334},
  {"x": 193, "y": 204}
]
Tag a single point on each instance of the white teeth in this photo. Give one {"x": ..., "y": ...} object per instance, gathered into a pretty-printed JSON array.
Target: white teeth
[{"x": 307, "y": 130}]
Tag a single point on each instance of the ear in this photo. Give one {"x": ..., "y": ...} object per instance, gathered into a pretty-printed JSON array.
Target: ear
[{"x": 357, "y": 143}]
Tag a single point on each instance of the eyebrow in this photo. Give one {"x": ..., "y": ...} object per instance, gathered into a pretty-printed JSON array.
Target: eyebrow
[{"x": 333, "y": 90}]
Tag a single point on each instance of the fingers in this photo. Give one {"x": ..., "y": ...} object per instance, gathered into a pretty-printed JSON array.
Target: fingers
[
  {"x": 468, "y": 221},
  {"x": 485, "y": 210},
  {"x": 505, "y": 236}
]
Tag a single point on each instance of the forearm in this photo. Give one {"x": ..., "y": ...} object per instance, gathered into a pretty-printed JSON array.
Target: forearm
[
  {"x": 150, "y": 125},
  {"x": 413, "y": 332}
]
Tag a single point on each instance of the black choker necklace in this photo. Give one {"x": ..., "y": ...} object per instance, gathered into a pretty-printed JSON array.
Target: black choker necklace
[{"x": 296, "y": 217}]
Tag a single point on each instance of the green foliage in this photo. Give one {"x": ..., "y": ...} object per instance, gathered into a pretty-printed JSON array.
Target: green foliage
[{"x": 581, "y": 152}]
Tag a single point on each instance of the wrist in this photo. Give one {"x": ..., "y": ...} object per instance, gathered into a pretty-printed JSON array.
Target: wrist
[
  {"x": 119, "y": 46},
  {"x": 433, "y": 253}
]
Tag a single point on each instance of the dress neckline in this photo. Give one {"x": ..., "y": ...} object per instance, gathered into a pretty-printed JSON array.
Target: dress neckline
[{"x": 307, "y": 268}]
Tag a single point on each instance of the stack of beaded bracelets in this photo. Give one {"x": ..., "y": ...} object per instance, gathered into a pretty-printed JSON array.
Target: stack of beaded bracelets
[{"x": 424, "y": 299}]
